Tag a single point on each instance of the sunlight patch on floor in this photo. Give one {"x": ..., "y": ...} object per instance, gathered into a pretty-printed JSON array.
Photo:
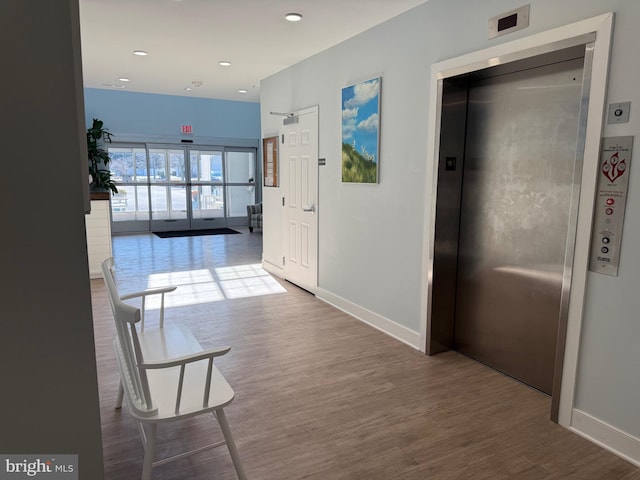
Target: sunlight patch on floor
[
  {"x": 167, "y": 279},
  {"x": 201, "y": 286}
]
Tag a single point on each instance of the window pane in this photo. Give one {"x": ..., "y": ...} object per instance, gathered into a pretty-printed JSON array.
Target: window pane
[
  {"x": 238, "y": 197},
  {"x": 206, "y": 166},
  {"x": 168, "y": 203},
  {"x": 207, "y": 201},
  {"x": 127, "y": 163},
  {"x": 157, "y": 166},
  {"x": 167, "y": 165},
  {"x": 240, "y": 167},
  {"x": 130, "y": 203},
  {"x": 177, "y": 166},
  {"x": 140, "y": 172},
  {"x": 121, "y": 163}
]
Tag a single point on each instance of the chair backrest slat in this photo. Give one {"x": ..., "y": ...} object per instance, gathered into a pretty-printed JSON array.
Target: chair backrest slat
[{"x": 125, "y": 317}]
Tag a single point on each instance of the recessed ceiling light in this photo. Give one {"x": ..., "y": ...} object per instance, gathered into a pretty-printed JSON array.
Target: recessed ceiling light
[
  {"x": 188, "y": 89},
  {"x": 293, "y": 17},
  {"x": 224, "y": 63},
  {"x": 140, "y": 53},
  {"x": 242, "y": 90},
  {"x": 123, "y": 79}
]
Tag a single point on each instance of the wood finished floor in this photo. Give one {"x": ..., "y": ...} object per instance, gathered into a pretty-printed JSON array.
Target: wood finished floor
[{"x": 320, "y": 395}]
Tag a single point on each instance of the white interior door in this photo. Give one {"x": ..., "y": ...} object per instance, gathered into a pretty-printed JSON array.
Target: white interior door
[{"x": 299, "y": 169}]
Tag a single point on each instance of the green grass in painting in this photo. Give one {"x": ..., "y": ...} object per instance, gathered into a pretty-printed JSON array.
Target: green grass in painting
[{"x": 356, "y": 168}]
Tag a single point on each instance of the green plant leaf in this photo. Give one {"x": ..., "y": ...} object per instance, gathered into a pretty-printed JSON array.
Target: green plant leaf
[{"x": 98, "y": 157}]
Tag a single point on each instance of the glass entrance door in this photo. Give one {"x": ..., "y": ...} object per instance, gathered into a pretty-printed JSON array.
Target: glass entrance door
[
  {"x": 168, "y": 189},
  {"x": 175, "y": 187},
  {"x": 207, "y": 188}
]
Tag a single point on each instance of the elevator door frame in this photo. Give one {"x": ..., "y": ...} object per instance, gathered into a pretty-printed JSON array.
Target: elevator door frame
[{"x": 596, "y": 29}]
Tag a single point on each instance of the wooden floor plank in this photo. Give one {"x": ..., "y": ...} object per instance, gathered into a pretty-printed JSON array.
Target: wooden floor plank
[{"x": 322, "y": 396}]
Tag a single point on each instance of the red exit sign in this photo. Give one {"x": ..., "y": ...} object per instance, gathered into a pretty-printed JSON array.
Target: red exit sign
[{"x": 186, "y": 129}]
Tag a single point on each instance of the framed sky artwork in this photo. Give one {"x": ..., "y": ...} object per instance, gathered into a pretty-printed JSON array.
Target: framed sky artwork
[{"x": 361, "y": 132}]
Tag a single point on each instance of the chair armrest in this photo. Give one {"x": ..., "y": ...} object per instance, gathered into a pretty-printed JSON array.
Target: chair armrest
[
  {"x": 146, "y": 293},
  {"x": 194, "y": 357},
  {"x": 182, "y": 363}
]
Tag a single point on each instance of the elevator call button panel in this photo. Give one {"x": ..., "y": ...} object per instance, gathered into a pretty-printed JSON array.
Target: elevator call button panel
[
  {"x": 619, "y": 112},
  {"x": 611, "y": 197}
]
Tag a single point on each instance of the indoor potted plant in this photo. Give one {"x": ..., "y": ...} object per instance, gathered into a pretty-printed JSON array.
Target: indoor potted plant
[{"x": 97, "y": 136}]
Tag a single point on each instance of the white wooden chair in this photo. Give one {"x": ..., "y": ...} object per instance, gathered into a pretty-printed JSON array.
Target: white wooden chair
[{"x": 165, "y": 375}]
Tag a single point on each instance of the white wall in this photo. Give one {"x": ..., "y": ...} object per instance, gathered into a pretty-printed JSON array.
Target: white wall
[
  {"x": 371, "y": 237},
  {"x": 609, "y": 379},
  {"x": 49, "y": 399}
]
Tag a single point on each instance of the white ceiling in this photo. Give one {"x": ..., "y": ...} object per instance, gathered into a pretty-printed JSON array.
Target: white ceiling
[{"x": 187, "y": 38}]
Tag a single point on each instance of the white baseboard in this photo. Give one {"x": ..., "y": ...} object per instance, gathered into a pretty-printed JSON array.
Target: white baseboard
[
  {"x": 378, "y": 322},
  {"x": 272, "y": 268},
  {"x": 608, "y": 437}
]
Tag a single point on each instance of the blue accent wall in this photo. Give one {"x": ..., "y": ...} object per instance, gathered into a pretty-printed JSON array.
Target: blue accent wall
[{"x": 155, "y": 116}]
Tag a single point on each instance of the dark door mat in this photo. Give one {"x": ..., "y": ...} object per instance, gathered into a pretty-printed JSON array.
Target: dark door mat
[{"x": 195, "y": 233}]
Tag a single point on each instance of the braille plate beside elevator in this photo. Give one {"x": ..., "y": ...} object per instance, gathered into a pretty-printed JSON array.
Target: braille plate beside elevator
[{"x": 611, "y": 197}]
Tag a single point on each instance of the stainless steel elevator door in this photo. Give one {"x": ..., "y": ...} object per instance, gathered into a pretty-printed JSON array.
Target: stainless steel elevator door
[{"x": 520, "y": 151}]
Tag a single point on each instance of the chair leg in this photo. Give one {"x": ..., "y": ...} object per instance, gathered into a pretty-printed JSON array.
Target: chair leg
[
  {"x": 149, "y": 451},
  {"x": 233, "y": 450},
  {"x": 120, "y": 396}
]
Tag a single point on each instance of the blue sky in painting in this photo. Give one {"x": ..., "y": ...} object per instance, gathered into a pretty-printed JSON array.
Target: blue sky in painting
[{"x": 360, "y": 117}]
